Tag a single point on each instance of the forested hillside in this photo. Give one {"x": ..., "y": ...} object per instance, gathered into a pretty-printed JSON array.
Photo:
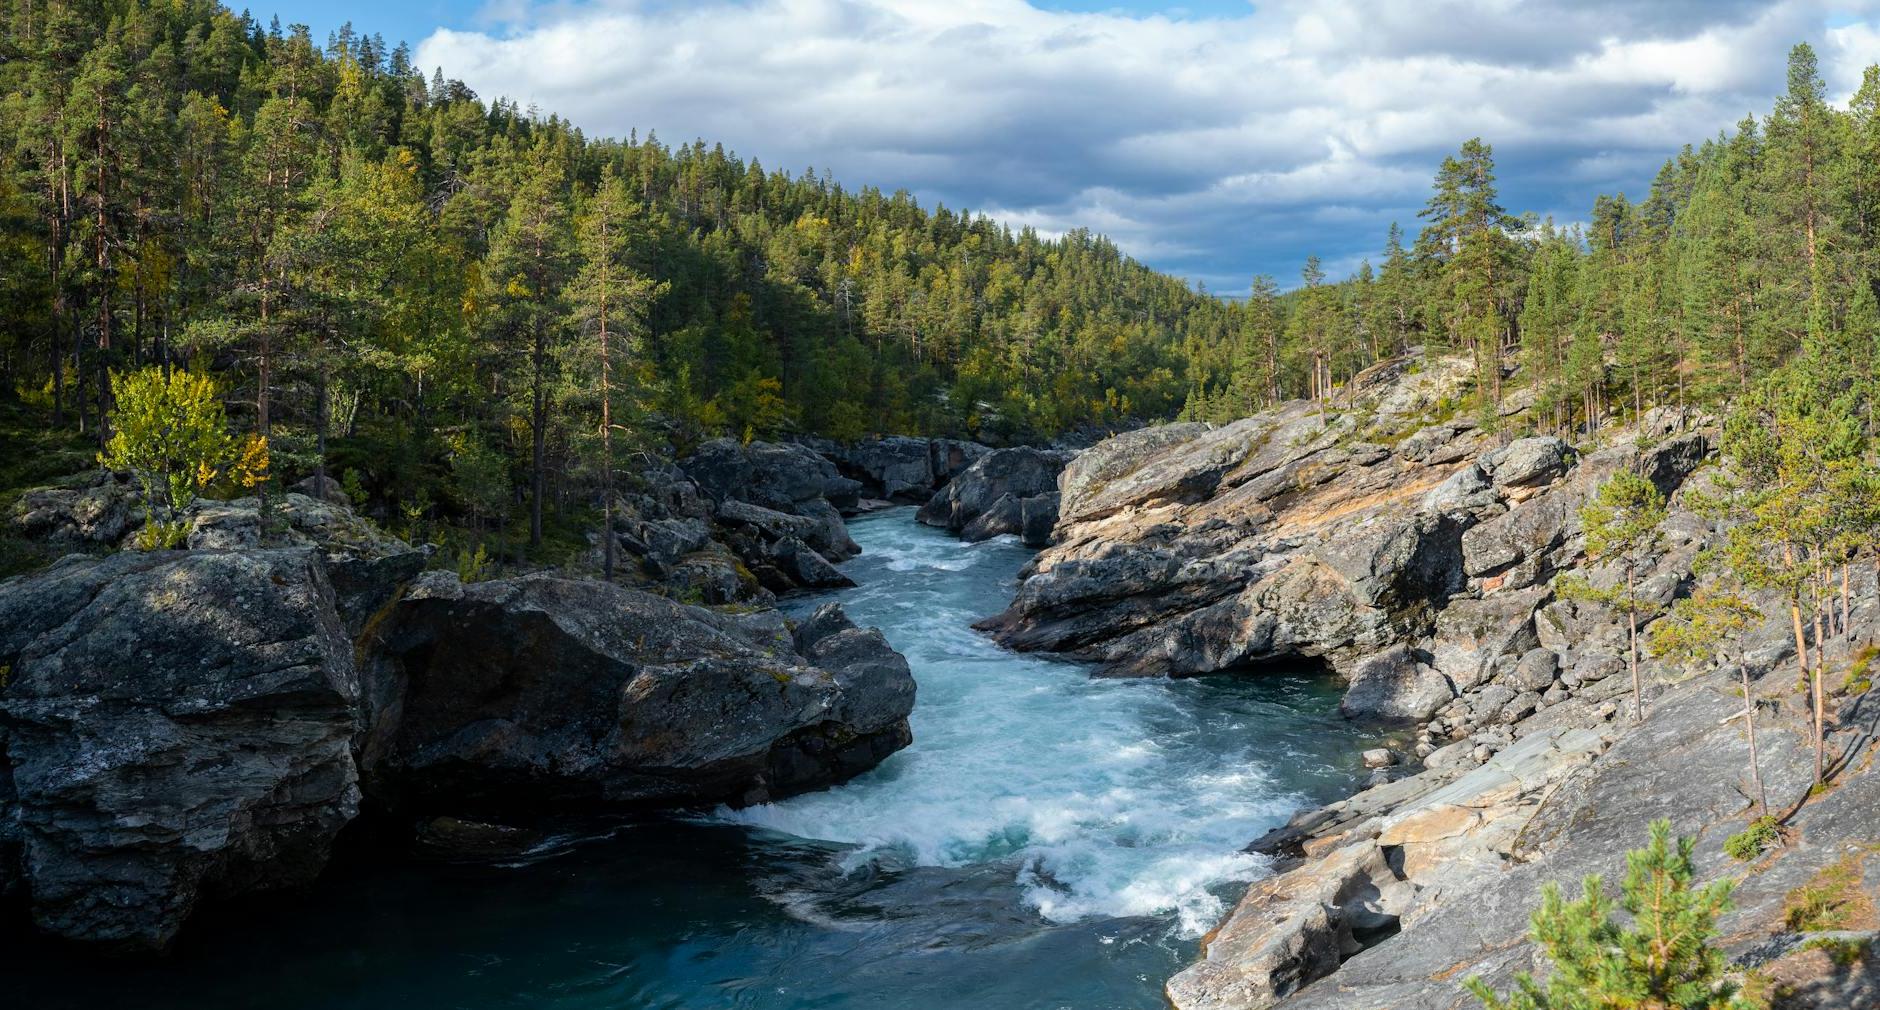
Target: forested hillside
[
  {"x": 373, "y": 257},
  {"x": 433, "y": 297},
  {"x": 1747, "y": 246}
]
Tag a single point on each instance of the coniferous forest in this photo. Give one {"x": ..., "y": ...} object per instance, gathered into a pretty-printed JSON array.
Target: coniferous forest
[
  {"x": 428, "y": 295},
  {"x": 1524, "y": 534}
]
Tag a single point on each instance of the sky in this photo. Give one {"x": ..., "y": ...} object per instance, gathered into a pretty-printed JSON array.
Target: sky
[{"x": 1214, "y": 139}]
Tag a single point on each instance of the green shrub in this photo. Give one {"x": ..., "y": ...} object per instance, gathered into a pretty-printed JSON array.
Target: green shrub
[
  {"x": 1752, "y": 841},
  {"x": 473, "y": 566},
  {"x": 1845, "y": 952},
  {"x": 159, "y": 535}
]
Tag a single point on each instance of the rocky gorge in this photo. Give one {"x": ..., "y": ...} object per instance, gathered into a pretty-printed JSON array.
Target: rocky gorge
[
  {"x": 190, "y": 725},
  {"x": 194, "y": 725},
  {"x": 184, "y": 727},
  {"x": 1412, "y": 553}
]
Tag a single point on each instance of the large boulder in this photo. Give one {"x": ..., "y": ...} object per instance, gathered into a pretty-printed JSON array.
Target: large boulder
[
  {"x": 802, "y": 566},
  {"x": 784, "y": 552},
  {"x": 950, "y": 457},
  {"x": 1016, "y": 474},
  {"x": 894, "y": 468},
  {"x": 1473, "y": 635},
  {"x": 1395, "y": 684},
  {"x": 97, "y": 507},
  {"x": 1037, "y": 519},
  {"x": 1528, "y": 462},
  {"x": 769, "y": 524},
  {"x": 1093, "y": 470},
  {"x": 365, "y": 564},
  {"x": 323, "y": 488},
  {"x": 665, "y": 539},
  {"x": 776, "y": 475},
  {"x": 176, "y": 725},
  {"x": 1397, "y": 557},
  {"x": 766, "y": 493},
  {"x": 1174, "y": 463},
  {"x": 540, "y": 694}
]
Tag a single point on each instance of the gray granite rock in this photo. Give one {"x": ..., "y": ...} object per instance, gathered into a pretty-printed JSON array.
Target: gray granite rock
[
  {"x": 177, "y": 724},
  {"x": 536, "y": 694}
]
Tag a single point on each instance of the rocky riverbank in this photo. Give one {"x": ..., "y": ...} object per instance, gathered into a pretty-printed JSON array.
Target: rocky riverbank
[
  {"x": 1411, "y": 551},
  {"x": 187, "y": 726},
  {"x": 192, "y": 725}
]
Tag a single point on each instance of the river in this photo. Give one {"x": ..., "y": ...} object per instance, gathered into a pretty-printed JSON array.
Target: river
[{"x": 1048, "y": 841}]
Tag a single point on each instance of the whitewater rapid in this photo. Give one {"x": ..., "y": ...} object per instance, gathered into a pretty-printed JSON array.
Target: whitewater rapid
[
  {"x": 1048, "y": 841},
  {"x": 1102, "y": 798}
]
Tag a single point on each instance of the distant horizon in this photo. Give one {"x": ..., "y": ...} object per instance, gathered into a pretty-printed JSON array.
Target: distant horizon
[{"x": 1211, "y": 140}]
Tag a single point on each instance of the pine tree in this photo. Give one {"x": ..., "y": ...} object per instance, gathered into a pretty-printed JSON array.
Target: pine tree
[
  {"x": 1548, "y": 316},
  {"x": 1396, "y": 294},
  {"x": 1621, "y": 526},
  {"x": 1662, "y": 958},
  {"x": 527, "y": 270},
  {"x": 1801, "y": 134},
  {"x": 610, "y": 303},
  {"x": 1311, "y": 326},
  {"x": 1792, "y": 489},
  {"x": 1468, "y": 233}
]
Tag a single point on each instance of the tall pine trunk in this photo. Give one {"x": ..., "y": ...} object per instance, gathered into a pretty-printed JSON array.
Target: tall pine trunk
[
  {"x": 1749, "y": 726},
  {"x": 607, "y": 425},
  {"x": 1631, "y": 613},
  {"x": 321, "y": 411},
  {"x": 1819, "y": 674},
  {"x": 264, "y": 370},
  {"x": 1847, "y": 606},
  {"x": 538, "y": 425}
]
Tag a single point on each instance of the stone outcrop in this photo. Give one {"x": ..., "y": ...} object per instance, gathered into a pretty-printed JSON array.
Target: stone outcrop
[
  {"x": 1006, "y": 491},
  {"x": 781, "y": 476},
  {"x": 1395, "y": 684},
  {"x": 951, "y": 457},
  {"x": 1413, "y": 555},
  {"x": 177, "y": 725},
  {"x": 665, "y": 540},
  {"x": 1299, "y": 926},
  {"x": 323, "y": 489},
  {"x": 900, "y": 469},
  {"x": 778, "y": 508},
  {"x": 1392, "y": 897},
  {"x": 542, "y": 694},
  {"x": 365, "y": 564},
  {"x": 186, "y": 725},
  {"x": 97, "y": 508},
  {"x": 1407, "y": 551}
]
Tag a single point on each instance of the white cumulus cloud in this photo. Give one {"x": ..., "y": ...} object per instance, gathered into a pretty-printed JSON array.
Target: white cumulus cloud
[{"x": 1214, "y": 147}]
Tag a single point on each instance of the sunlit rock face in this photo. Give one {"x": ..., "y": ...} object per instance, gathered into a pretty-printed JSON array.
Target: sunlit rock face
[{"x": 1399, "y": 543}]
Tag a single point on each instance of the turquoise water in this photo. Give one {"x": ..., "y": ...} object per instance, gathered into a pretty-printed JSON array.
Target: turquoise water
[{"x": 1048, "y": 841}]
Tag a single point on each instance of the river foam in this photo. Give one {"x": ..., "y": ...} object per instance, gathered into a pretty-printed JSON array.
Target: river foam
[
  {"x": 1101, "y": 798},
  {"x": 1049, "y": 841}
]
